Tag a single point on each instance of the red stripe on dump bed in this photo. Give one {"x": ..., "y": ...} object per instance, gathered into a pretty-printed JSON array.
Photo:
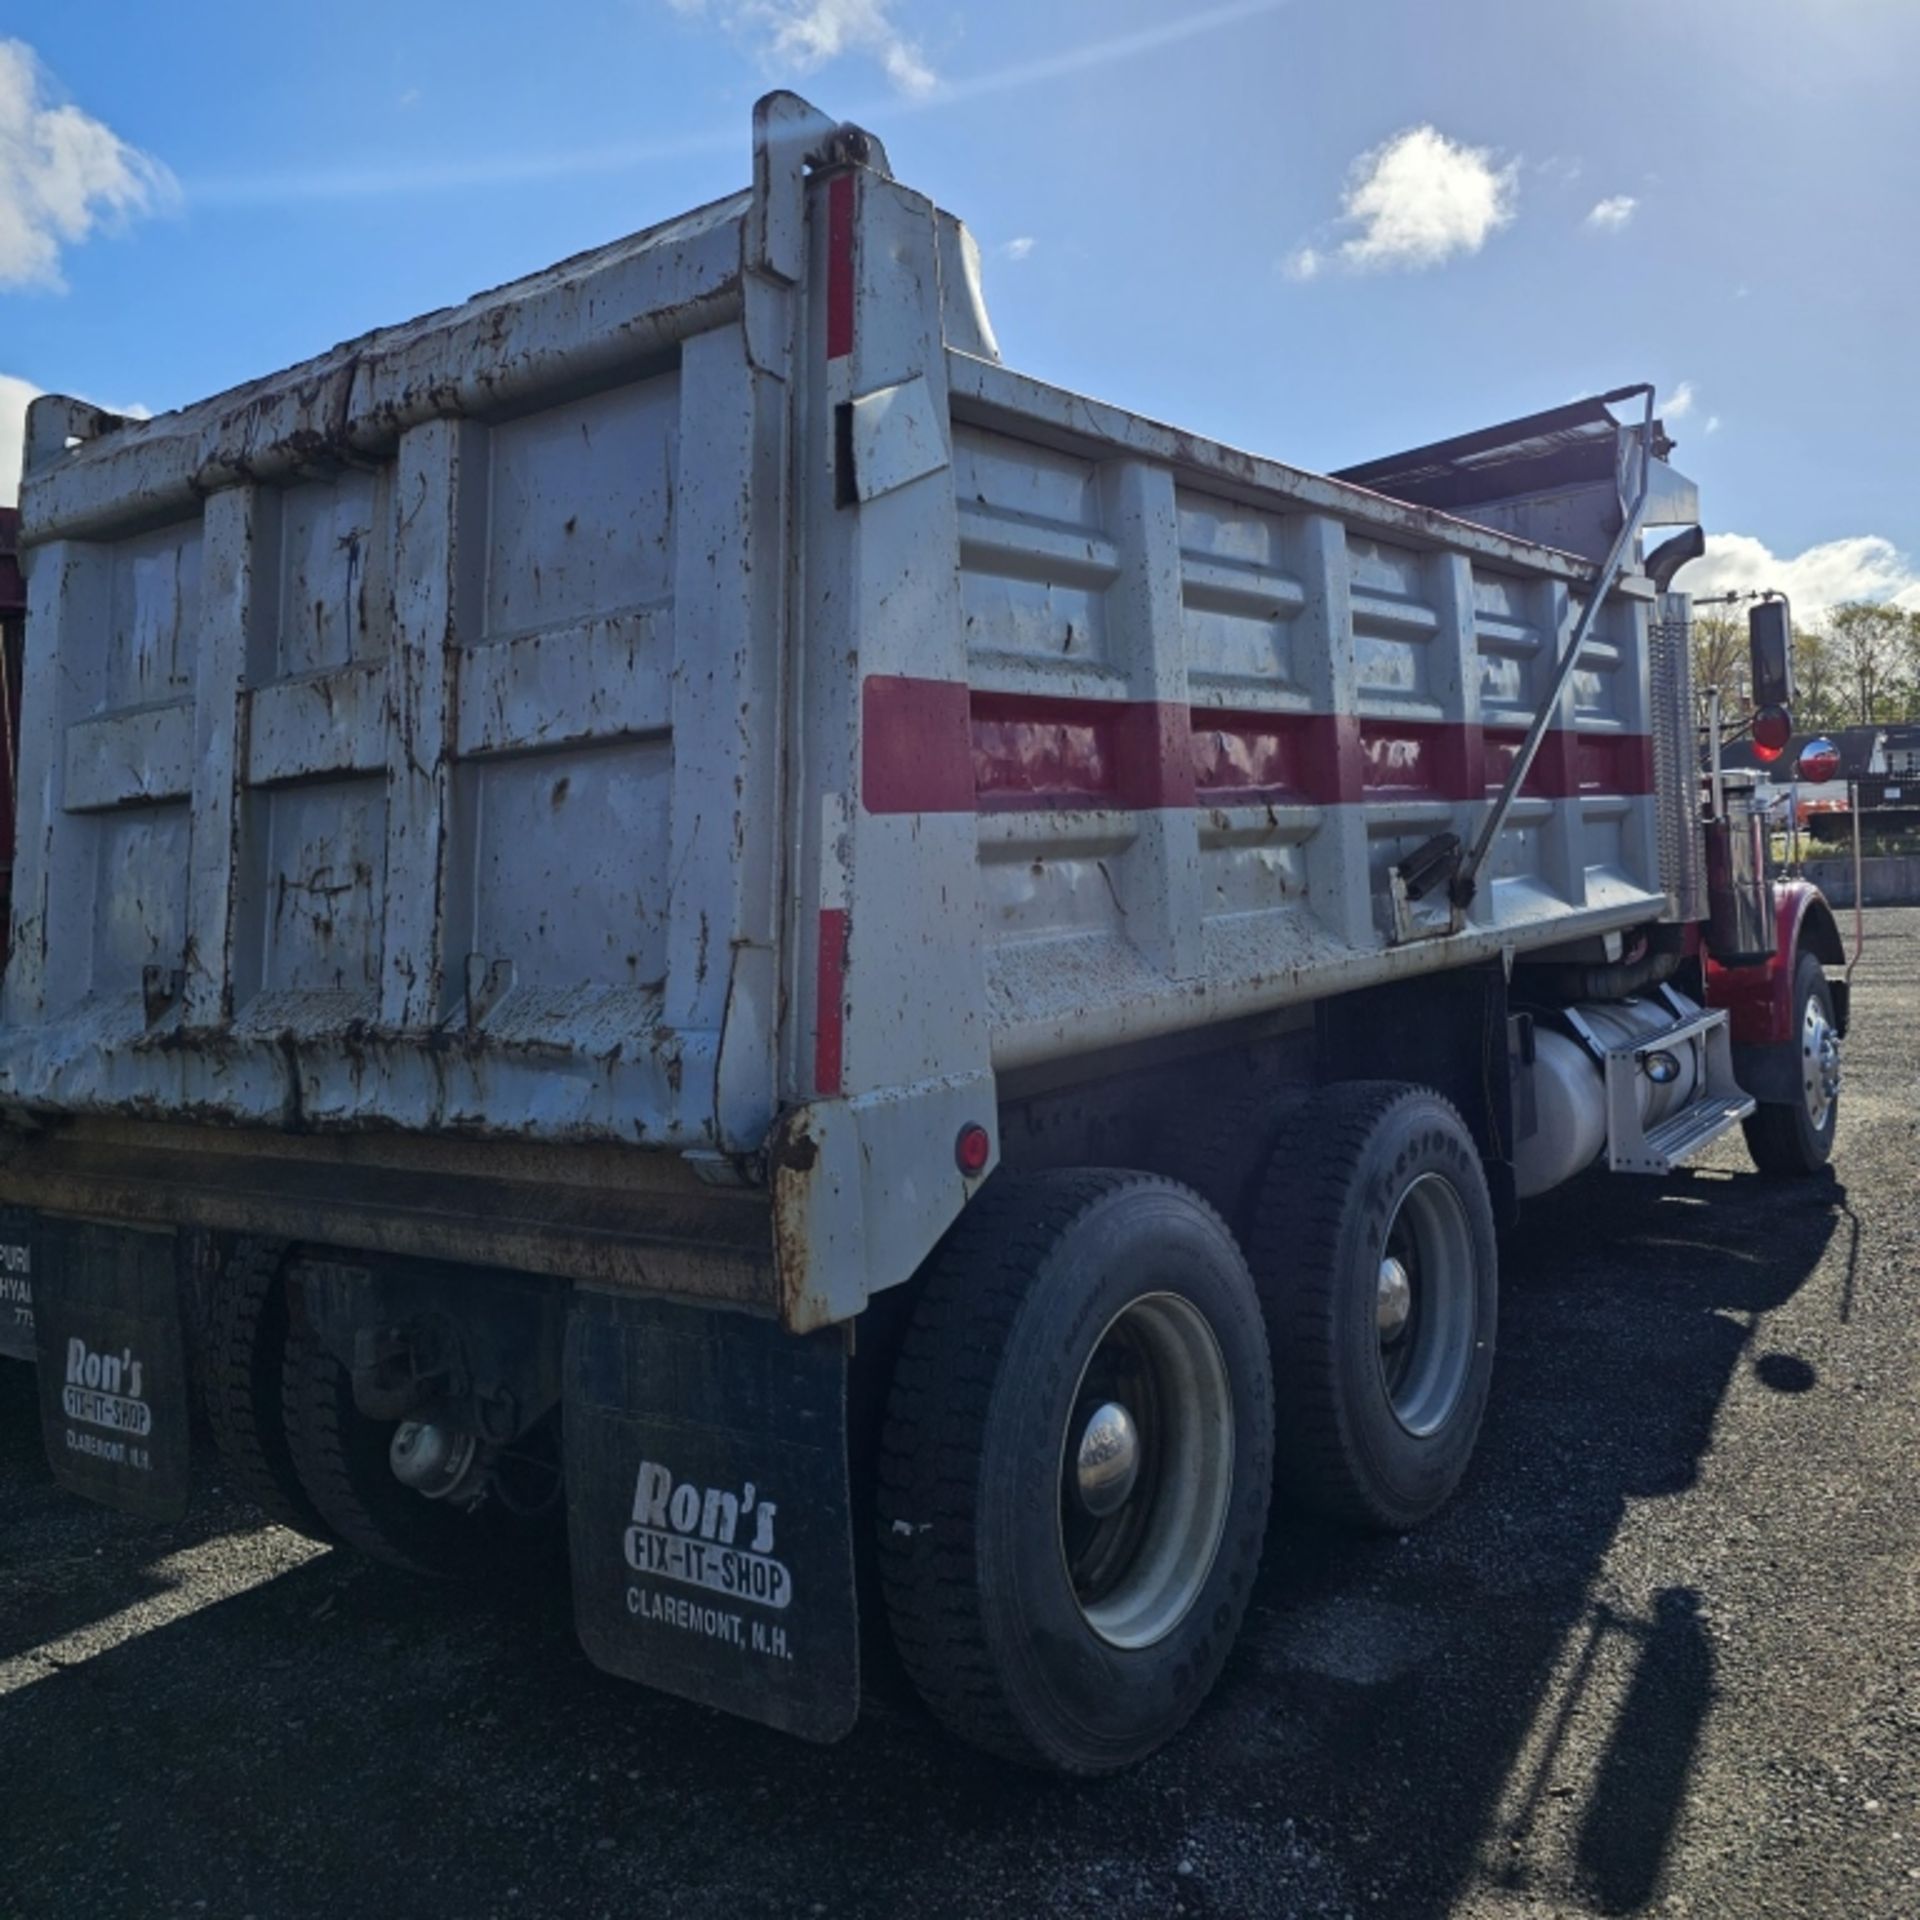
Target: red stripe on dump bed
[
  {"x": 916, "y": 746},
  {"x": 1613, "y": 762},
  {"x": 1257, "y": 759},
  {"x": 829, "y": 1019},
  {"x": 1036, "y": 751},
  {"x": 840, "y": 191},
  {"x": 933, "y": 746},
  {"x": 1326, "y": 759},
  {"x": 1572, "y": 763},
  {"x": 1425, "y": 759}
]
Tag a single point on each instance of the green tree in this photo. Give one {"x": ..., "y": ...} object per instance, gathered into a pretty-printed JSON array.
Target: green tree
[
  {"x": 1874, "y": 658},
  {"x": 1820, "y": 702},
  {"x": 1720, "y": 656}
]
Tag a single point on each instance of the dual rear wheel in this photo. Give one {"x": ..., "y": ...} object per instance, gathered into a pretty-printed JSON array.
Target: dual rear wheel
[
  {"x": 1099, "y": 1390},
  {"x": 1100, "y": 1387},
  {"x": 285, "y": 1422},
  {"x": 1076, "y": 1466}
]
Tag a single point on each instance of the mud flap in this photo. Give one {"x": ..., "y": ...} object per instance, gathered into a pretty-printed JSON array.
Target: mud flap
[
  {"x": 113, "y": 1366},
  {"x": 16, "y": 1284},
  {"x": 708, "y": 1509}
]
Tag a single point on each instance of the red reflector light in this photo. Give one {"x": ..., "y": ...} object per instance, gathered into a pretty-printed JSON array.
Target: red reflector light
[
  {"x": 973, "y": 1149},
  {"x": 1772, "y": 729}
]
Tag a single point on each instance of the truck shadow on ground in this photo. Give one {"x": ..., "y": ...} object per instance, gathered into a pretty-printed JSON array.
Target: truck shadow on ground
[
  {"x": 1394, "y": 1726},
  {"x": 1626, "y": 1312}
]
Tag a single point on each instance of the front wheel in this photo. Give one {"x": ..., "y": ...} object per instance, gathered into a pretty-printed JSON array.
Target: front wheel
[
  {"x": 1792, "y": 1139},
  {"x": 1374, "y": 1252},
  {"x": 1076, "y": 1466}
]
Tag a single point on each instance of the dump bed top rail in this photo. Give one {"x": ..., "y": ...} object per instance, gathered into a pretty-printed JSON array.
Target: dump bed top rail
[
  {"x": 985, "y": 391},
  {"x": 604, "y": 309}
]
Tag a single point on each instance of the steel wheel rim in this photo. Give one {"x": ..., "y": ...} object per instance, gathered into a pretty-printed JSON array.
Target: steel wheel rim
[
  {"x": 1137, "y": 1569},
  {"x": 1425, "y": 1351},
  {"x": 1819, "y": 1063}
]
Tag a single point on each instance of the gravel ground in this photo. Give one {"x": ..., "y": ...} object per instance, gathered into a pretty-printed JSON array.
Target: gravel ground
[{"x": 1662, "y": 1655}]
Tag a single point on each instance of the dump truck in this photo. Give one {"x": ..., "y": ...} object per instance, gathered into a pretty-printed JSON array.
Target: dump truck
[{"x": 893, "y": 1006}]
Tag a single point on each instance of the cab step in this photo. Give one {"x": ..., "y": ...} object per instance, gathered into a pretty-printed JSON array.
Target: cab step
[{"x": 1701, "y": 1041}]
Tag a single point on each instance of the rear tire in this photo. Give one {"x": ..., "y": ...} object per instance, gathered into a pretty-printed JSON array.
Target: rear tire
[
  {"x": 1062, "y": 1594},
  {"x": 1793, "y": 1140},
  {"x": 245, "y": 1357},
  {"x": 344, "y": 1466},
  {"x": 1374, "y": 1252},
  {"x": 1223, "y": 1155}
]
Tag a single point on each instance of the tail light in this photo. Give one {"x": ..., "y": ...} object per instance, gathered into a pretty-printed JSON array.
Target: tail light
[
  {"x": 1772, "y": 729},
  {"x": 973, "y": 1149}
]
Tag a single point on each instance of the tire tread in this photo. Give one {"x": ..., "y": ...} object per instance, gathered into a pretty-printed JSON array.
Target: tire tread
[
  {"x": 1778, "y": 1132},
  {"x": 245, "y": 1383},
  {"x": 1224, "y": 1159},
  {"x": 1300, "y": 1220},
  {"x": 930, "y": 1454}
]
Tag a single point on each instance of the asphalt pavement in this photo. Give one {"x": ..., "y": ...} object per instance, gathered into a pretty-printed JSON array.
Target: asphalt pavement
[{"x": 1662, "y": 1655}]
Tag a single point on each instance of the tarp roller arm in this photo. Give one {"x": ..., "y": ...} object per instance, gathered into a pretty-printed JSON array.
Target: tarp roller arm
[{"x": 1462, "y": 887}]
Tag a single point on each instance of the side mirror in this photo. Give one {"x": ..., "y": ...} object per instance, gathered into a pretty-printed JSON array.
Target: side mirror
[
  {"x": 1819, "y": 762},
  {"x": 1770, "y": 640}
]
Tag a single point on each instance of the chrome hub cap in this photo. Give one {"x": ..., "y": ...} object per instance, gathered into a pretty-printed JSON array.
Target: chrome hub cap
[
  {"x": 1146, "y": 1470},
  {"x": 1426, "y": 1307},
  {"x": 1819, "y": 1063},
  {"x": 1107, "y": 1462},
  {"x": 1396, "y": 1299},
  {"x": 432, "y": 1460}
]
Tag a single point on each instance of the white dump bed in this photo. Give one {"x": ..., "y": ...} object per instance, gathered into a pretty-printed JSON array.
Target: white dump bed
[
  {"x": 401, "y": 739},
  {"x": 699, "y": 682}
]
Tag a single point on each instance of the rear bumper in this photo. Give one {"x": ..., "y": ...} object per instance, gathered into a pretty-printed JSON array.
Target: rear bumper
[{"x": 620, "y": 1218}]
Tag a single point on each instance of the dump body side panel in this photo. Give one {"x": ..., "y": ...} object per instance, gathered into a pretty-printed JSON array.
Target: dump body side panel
[{"x": 1110, "y": 732}]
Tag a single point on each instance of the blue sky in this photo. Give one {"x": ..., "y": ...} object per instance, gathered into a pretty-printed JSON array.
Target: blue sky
[{"x": 1324, "y": 231}]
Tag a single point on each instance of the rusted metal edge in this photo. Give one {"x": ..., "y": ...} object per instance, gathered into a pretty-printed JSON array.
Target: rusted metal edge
[
  {"x": 713, "y": 1245},
  {"x": 330, "y": 1082}
]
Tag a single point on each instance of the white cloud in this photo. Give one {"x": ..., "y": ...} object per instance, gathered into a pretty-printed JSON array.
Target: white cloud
[
  {"x": 1713, "y": 423},
  {"x": 1420, "y": 198},
  {"x": 62, "y": 173},
  {"x": 15, "y": 394},
  {"x": 1861, "y": 567},
  {"x": 1018, "y": 248},
  {"x": 1677, "y": 404},
  {"x": 800, "y": 36},
  {"x": 1303, "y": 263},
  {"x": 1612, "y": 213}
]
